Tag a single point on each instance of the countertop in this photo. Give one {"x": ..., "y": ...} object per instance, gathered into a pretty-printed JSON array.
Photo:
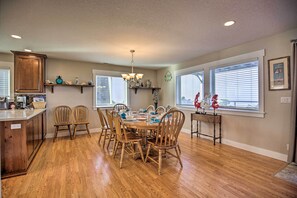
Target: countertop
[{"x": 19, "y": 114}]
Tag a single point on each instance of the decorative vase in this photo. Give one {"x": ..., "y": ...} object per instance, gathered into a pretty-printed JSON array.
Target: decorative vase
[
  {"x": 59, "y": 80},
  {"x": 148, "y": 83},
  {"x": 76, "y": 81}
]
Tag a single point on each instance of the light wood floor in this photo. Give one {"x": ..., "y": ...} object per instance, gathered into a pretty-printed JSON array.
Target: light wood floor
[{"x": 81, "y": 168}]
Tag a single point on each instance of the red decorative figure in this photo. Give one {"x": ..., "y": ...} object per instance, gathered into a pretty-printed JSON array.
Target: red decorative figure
[
  {"x": 197, "y": 104},
  {"x": 215, "y": 103}
]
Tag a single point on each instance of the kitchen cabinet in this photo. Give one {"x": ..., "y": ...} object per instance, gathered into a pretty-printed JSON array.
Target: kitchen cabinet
[
  {"x": 30, "y": 137},
  {"x": 29, "y": 72},
  {"x": 20, "y": 141}
]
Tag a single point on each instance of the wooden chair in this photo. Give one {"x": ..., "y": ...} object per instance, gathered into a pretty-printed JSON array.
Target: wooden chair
[
  {"x": 104, "y": 126},
  {"x": 62, "y": 118},
  {"x": 167, "y": 137},
  {"x": 112, "y": 134},
  {"x": 81, "y": 117},
  {"x": 150, "y": 108},
  {"x": 126, "y": 140},
  {"x": 160, "y": 110},
  {"x": 120, "y": 106}
]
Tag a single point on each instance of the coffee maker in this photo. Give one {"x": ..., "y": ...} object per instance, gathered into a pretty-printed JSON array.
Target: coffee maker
[
  {"x": 3, "y": 103},
  {"x": 21, "y": 102}
]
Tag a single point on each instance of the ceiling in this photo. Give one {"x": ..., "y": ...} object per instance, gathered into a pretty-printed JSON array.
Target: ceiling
[{"x": 162, "y": 32}]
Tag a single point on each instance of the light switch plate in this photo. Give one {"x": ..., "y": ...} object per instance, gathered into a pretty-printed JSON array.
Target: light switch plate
[
  {"x": 285, "y": 100},
  {"x": 15, "y": 126}
]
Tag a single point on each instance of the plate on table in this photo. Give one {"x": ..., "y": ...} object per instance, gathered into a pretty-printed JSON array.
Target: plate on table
[
  {"x": 131, "y": 120},
  {"x": 141, "y": 119},
  {"x": 142, "y": 114}
]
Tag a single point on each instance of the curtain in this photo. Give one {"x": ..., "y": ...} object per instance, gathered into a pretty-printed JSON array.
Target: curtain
[{"x": 292, "y": 156}]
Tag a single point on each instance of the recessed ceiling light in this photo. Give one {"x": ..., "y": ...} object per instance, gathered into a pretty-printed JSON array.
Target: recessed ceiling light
[
  {"x": 229, "y": 23},
  {"x": 27, "y": 50},
  {"x": 16, "y": 36}
]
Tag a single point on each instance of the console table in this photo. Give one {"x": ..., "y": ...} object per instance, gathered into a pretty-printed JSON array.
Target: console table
[{"x": 214, "y": 119}]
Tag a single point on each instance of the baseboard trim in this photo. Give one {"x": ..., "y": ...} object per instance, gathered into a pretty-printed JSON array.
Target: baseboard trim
[
  {"x": 66, "y": 133},
  {"x": 253, "y": 149}
]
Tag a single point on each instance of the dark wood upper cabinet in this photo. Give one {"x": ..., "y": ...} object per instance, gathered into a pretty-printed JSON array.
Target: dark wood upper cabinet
[{"x": 29, "y": 72}]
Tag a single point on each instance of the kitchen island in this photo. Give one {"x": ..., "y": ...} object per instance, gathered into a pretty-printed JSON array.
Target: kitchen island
[{"x": 22, "y": 133}]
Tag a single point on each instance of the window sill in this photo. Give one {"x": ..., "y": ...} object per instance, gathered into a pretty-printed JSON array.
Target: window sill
[
  {"x": 103, "y": 107},
  {"x": 229, "y": 112}
]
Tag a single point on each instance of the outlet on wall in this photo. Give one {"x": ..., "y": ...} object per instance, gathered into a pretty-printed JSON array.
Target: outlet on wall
[
  {"x": 288, "y": 147},
  {"x": 285, "y": 100}
]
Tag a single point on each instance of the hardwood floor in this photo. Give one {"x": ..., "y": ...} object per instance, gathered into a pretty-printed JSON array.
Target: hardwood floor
[{"x": 81, "y": 168}]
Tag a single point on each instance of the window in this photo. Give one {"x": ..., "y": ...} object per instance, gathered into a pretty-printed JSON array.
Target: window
[
  {"x": 4, "y": 82},
  {"x": 237, "y": 85},
  {"x": 187, "y": 86},
  {"x": 109, "y": 89}
]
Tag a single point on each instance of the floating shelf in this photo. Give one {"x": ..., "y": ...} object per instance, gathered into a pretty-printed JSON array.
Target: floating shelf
[
  {"x": 64, "y": 85},
  {"x": 151, "y": 88}
]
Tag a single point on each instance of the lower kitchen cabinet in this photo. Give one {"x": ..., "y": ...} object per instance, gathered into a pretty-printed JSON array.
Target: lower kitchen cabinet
[{"x": 20, "y": 141}]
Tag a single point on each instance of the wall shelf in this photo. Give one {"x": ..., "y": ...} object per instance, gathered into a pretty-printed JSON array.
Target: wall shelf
[
  {"x": 148, "y": 88},
  {"x": 64, "y": 85}
]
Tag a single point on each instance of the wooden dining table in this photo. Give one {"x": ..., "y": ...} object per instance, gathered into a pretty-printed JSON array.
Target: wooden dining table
[{"x": 140, "y": 125}]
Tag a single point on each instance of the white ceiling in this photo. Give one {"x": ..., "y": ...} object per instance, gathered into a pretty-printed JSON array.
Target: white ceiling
[{"x": 163, "y": 32}]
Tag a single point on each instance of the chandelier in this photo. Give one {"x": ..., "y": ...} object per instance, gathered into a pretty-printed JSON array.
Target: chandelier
[{"x": 131, "y": 77}]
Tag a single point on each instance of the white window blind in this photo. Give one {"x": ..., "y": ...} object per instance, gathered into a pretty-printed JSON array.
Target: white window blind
[
  {"x": 4, "y": 82},
  {"x": 237, "y": 85},
  {"x": 187, "y": 86}
]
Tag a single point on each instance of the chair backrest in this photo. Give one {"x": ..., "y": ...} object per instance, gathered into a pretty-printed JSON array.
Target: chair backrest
[
  {"x": 109, "y": 116},
  {"x": 150, "y": 108},
  {"x": 120, "y": 106},
  {"x": 81, "y": 113},
  {"x": 62, "y": 114},
  {"x": 102, "y": 118},
  {"x": 120, "y": 129},
  {"x": 172, "y": 108},
  {"x": 160, "y": 110},
  {"x": 169, "y": 128}
]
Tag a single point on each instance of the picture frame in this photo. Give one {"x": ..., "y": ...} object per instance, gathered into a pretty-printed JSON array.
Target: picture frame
[{"x": 279, "y": 73}]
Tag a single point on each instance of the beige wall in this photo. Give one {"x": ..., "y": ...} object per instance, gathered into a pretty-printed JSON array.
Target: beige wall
[
  {"x": 271, "y": 132},
  {"x": 71, "y": 96}
]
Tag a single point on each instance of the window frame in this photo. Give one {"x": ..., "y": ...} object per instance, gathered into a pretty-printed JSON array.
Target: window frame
[
  {"x": 187, "y": 72},
  {"x": 107, "y": 74},
  {"x": 212, "y": 84},
  {"x": 259, "y": 55}
]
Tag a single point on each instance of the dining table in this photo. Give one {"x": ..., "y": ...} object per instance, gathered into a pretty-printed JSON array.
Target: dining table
[{"x": 142, "y": 125}]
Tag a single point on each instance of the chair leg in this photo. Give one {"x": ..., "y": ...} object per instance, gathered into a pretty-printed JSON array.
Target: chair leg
[
  {"x": 147, "y": 152},
  {"x": 114, "y": 145},
  {"x": 179, "y": 148},
  {"x": 100, "y": 135},
  {"x": 56, "y": 133},
  {"x": 132, "y": 145},
  {"x": 69, "y": 129},
  {"x": 140, "y": 151},
  {"x": 87, "y": 127},
  {"x": 74, "y": 131},
  {"x": 178, "y": 157},
  {"x": 110, "y": 136},
  {"x": 122, "y": 154},
  {"x": 160, "y": 162},
  {"x": 115, "y": 148},
  {"x": 105, "y": 134}
]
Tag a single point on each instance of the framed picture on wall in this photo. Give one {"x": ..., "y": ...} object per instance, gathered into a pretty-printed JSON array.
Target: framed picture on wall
[{"x": 279, "y": 73}]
